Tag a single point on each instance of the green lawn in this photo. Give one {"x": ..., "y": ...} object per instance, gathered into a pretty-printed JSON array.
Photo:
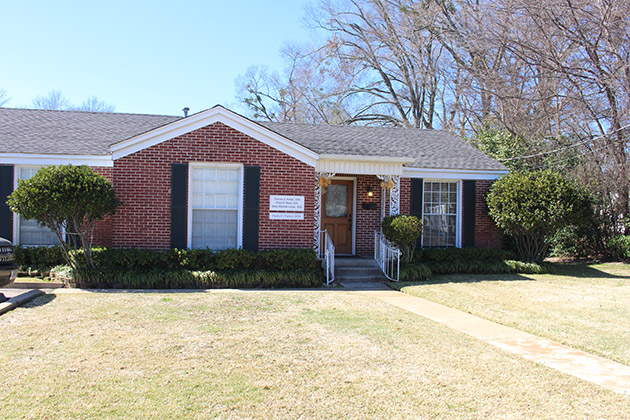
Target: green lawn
[
  {"x": 587, "y": 307},
  {"x": 266, "y": 355}
]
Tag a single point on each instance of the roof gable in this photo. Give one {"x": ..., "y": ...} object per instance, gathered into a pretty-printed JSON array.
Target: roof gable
[{"x": 208, "y": 117}]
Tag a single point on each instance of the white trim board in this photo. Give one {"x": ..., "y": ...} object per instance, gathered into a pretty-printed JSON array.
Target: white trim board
[
  {"x": 452, "y": 174},
  {"x": 205, "y": 118},
  {"x": 47, "y": 160}
]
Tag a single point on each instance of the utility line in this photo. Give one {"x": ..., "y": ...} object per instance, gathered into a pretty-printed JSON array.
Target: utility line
[{"x": 566, "y": 147}]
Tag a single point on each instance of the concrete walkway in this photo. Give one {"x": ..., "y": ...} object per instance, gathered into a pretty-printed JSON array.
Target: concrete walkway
[
  {"x": 591, "y": 368},
  {"x": 17, "y": 299}
]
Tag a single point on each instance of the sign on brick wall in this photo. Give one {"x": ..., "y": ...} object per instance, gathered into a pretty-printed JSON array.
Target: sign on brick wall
[
  {"x": 286, "y": 203},
  {"x": 286, "y": 216}
]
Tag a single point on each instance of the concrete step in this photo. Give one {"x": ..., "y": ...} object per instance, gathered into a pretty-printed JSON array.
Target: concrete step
[
  {"x": 359, "y": 279},
  {"x": 355, "y": 262},
  {"x": 354, "y": 271}
]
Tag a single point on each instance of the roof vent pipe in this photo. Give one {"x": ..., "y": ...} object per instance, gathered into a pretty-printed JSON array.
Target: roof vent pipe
[{"x": 185, "y": 109}]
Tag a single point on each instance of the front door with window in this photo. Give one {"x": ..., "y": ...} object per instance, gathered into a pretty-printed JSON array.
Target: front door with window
[{"x": 337, "y": 205}]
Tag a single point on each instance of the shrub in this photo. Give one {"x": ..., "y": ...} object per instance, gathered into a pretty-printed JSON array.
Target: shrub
[
  {"x": 533, "y": 207},
  {"x": 133, "y": 259},
  {"x": 414, "y": 272},
  {"x": 471, "y": 261},
  {"x": 187, "y": 279},
  {"x": 38, "y": 257},
  {"x": 403, "y": 231},
  {"x": 621, "y": 246},
  {"x": 450, "y": 254},
  {"x": 287, "y": 259},
  {"x": 234, "y": 259},
  {"x": 66, "y": 199}
]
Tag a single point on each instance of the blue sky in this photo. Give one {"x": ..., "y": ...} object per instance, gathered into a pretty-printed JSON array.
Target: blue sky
[{"x": 142, "y": 56}]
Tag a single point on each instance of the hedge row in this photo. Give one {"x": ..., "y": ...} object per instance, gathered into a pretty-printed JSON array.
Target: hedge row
[
  {"x": 187, "y": 279},
  {"x": 451, "y": 254},
  {"x": 417, "y": 271},
  {"x": 131, "y": 259},
  {"x": 432, "y": 261},
  {"x": 38, "y": 257}
]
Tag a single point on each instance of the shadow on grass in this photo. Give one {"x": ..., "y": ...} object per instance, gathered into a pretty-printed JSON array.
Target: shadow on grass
[
  {"x": 331, "y": 288},
  {"x": 557, "y": 269},
  {"x": 583, "y": 271},
  {"x": 39, "y": 301},
  {"x": 461, "y": 278}
]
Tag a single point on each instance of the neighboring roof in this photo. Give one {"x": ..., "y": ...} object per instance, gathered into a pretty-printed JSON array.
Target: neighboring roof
[
  {"x": 45, "y": 132},
  {"x": 70, "y": 132},
  {"x": 437, "y": 149}
]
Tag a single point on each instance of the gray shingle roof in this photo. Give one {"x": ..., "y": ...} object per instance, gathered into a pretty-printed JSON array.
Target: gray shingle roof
[
  {"x": 70, "y": 132},
  {"x": 91, "y": 133},
  {"x": 435, "y": 149}
]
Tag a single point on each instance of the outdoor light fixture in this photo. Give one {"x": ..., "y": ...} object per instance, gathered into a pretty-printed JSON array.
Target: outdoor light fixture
[{"x": 370, "y": 193}]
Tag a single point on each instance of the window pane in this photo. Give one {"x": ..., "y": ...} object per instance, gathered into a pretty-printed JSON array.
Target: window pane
[
  {"x": 214, "y": 229},
  {"x": 214, "y": 200},
  {"x": 30, "y": 232},
  {"x": 440, "y": 214},
  {"x": 336, "y": 201}
]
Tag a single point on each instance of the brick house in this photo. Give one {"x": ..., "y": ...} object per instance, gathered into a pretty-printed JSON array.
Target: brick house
[{"x": 216, "y": 179}]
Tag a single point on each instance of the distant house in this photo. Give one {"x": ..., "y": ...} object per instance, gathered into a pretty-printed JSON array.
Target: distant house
[{"x": 217, "y": 179}]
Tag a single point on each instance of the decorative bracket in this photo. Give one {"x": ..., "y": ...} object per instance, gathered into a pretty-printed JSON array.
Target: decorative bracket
[{"x": 320, "y": 188}]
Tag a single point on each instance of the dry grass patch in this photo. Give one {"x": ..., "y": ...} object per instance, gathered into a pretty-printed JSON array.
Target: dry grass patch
[
  {"x": 586, "y": 307},
  {"x": 266, "y": 355}
]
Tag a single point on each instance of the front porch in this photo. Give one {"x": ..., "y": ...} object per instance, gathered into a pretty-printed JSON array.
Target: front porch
[{"x": 351, "y": 207}]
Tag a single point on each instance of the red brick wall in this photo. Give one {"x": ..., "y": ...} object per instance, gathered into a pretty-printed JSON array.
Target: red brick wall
[
  {"x": 142, "y": 182},
  {"x": 368, "y": 220},
  {"x": 487, "y": 234},
  {"x": 103, "y": 228}
]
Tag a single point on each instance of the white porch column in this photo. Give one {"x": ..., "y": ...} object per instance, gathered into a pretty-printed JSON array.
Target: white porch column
[
  {"x": 317, "y": 237},
  {"x": 394, "y": 196}
]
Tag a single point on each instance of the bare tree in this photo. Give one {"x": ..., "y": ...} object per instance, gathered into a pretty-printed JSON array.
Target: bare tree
[
  {"x": 56, "y": 100},
  {"x": 392, "y": 60},
  {"x": 307, "y": 91},
  {"x": 52, "y": 100},
  {"x": 4, "y": 98},
  {"x": 555, "y": 73},
  {"x": 93, "y": 104},
  {"x": 375, "y": 67}
]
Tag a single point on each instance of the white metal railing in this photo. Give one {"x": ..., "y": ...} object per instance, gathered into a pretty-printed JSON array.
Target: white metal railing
[
  {"x": 328, "y": 257},
  {"x": 387, "y": 256}
]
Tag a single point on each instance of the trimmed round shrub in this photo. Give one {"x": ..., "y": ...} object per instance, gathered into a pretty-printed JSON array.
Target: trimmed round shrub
[{"x": 404, "y": 232}]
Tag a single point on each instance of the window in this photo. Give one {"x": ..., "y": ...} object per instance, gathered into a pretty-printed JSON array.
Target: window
[
  {"x": 215, "y": 197},
  {"x": 440, "y": 225},
  {"x": 29, "y": 232}
]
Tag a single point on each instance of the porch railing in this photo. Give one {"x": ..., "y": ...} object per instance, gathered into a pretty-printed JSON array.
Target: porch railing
[
  {"x": 387, "y": 257},
  {"x": 328, "y": 257}
]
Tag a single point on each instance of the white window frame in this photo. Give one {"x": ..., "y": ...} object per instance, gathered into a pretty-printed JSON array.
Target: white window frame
[
  {"x": 241, "y": 192},
  {"x": 16, "y": 217},
  {"x": 458, "y": 209}
]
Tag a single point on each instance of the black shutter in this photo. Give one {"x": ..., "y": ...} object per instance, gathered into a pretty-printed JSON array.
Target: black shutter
[
  {"x": 417, "y": 186},
  {"x": 251, "y": 207},
  {"x": 468, "y": 222},
  {"x": 179, "y": 208},
  {"x": 6, "y": 188}
]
